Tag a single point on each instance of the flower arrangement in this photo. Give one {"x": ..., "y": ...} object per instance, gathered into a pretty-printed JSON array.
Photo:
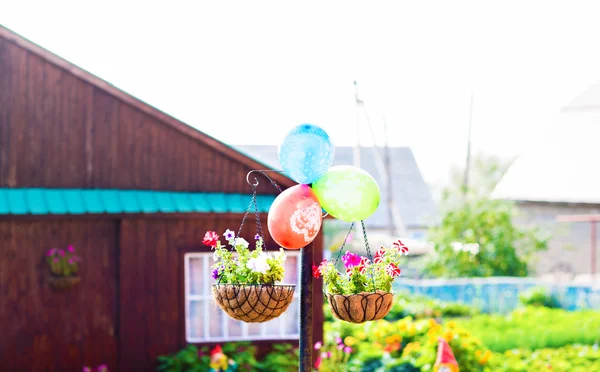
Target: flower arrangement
[
  {"x": 248, "y": 267},
  {"x": 63, "y": 263},
  {"x": 246, "y": 288},
  {"x": 333, "y": 357},
  {"x": 361, "y": 274}
]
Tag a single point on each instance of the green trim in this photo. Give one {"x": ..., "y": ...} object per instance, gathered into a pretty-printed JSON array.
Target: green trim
[{"x": 41, "y": 201}]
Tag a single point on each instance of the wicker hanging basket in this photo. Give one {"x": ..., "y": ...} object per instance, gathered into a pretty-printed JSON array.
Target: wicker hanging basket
[
  {"x": 253, "y": 303},
  {"x": 361, "y": 307},
  {"x": 63, "y": 282}
]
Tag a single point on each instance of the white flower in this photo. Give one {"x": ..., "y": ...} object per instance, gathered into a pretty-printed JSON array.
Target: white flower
[
  {"x": 229, "y": 235},
  {"x": 242, "y": 242},
  {"x": 280, "y": 255},
  {"x": 259, "y": 264}
]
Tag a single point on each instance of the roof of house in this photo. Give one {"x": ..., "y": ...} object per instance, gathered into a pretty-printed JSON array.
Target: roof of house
[
  {"x": 413, "y": 198},
  {"x": 40, "y": 201},
  {"x": 169, "y": 120}
]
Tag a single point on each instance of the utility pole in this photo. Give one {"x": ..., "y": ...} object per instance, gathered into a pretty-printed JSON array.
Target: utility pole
[
  {"x": 356, "y": 151},
  {"x": 468, "y": 162}
]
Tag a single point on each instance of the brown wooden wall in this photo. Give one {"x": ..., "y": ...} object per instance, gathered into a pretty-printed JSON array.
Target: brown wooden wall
[
  {"x": 58, "y": 131},
  {"x": 45, "y": 330},
  {"x": 129, "y": 307}
]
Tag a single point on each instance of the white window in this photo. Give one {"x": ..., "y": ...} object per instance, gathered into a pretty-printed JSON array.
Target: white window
[{"x": 206, "y": 322}]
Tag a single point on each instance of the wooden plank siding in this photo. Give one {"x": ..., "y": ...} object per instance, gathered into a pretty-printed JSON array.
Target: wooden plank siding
[
  {"x": 46, "y": 330},
  {"x": 59, "y": 131}
]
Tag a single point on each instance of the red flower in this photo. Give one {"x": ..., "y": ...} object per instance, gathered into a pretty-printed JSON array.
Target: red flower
[
  {"x": 315, "y": 270},
  {"x": 211, "y": 238},
  {"x": 379, "y": 255},
  {"x": 399, "y": 246},
  {"x": 364, "y": 262},
  {"x": 392, "y": 270}
]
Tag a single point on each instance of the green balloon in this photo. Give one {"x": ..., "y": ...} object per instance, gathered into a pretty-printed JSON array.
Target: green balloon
[{"x": 347, "y": 193}]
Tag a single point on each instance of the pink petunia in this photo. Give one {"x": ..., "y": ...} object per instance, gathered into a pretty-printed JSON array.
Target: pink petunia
[
  {"x": 51, "y": 252},
  {"x": 322, "y": 266},
  {"x": 347, "y": 350},
  {"x": 70, "y": 249},
  {"x": 350, "y": 260},
  {"x": 318, "y": 363},
  {"x": 61, "y": 253},
  {"x": 392, "y": 270},
  {"x": 71, "y": 261},
  {"x": 318, "y": 345},
  {"x": 87, "y": 369}
]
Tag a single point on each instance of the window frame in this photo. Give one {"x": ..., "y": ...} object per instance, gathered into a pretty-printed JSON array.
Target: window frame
[{"x": 188, "y": 298}]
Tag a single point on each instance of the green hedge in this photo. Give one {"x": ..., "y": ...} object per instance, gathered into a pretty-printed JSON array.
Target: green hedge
[{"x": 535, "y": 328}]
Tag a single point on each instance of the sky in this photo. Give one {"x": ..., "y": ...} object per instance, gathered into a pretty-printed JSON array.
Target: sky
[{"x": 247, "y": 72}]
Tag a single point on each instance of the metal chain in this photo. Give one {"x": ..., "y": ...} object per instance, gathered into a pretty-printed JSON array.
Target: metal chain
[
  {"x": 259, "y": 229},
  {"x": 245, "y": 215},
  {"x": 335, "y": 260},
  {"x": 369, "y": 255}
]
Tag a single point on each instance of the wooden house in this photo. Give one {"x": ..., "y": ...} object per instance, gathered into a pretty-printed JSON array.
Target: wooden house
[{"x": 133, "y": 190}]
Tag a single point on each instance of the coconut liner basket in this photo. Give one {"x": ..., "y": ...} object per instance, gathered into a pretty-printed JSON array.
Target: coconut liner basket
[
  {"x": 361, "y": 307},
  {"x": 253, "y": 303}
]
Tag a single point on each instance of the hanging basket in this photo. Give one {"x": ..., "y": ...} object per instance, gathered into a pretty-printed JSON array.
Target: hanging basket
[
  {"x": 63, "y": 282},
  {"x": 253, "y": 303},
  {"x": 361, "y": 307}
]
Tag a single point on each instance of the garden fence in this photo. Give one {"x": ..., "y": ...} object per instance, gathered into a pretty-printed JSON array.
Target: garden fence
[{"x": 500, "y": 294}]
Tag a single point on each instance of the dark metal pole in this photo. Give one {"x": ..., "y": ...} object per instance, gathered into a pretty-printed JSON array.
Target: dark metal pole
[{"x": 306, "y": 309}]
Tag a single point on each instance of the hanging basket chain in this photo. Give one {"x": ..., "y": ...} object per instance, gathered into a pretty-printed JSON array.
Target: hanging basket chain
[
  {"x": 259, "y": 229},
  {"x": 341, "y": 250},
  {"x": 369, "y": 255}
]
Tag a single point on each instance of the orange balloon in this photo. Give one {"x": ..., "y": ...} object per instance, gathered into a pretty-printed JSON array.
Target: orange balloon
[{"x": 295, "y": 217}]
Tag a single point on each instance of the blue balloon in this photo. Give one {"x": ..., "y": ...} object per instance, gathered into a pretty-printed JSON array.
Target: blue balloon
[{"x": 306, "y": 153}]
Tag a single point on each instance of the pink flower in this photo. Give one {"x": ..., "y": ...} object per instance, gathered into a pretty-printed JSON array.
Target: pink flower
[
  {"x": 392, "y": 270},
  {"x": 318, "y": 345},
  {"x": 379, "y": 255},
  {"x": 51, "y": 252},
  {"x": 339, "y": 340},
  {"x": 318, "y": 363},
  {"x": 102, "y": 368},
  {"x": 400, "y": 247},
  {"x": 328, "y": 354},
  {"x": 87, "y": 369},
  {"x": 71, "y": 261},
  {"x": 347, "y": 350},
  {"x": 71, "y": 249},
  {"x": 211, "y": 238},
  {"x": 351, "y": 259},
  {"x": 61, "y": 253},
  {"x": 55, "y": 259},
  {"x": 322, "y": 266}
]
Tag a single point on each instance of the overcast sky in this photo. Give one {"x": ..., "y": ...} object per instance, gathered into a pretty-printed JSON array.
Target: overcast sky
[{"x": 246, "y": 72}]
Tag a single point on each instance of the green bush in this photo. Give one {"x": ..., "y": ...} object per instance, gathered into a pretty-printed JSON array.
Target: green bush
[
  {"x": 418, "y": 306},
  {"x": 192, "y": 359},
  {"x": 574, "y": 358},
  {"x": 283, "y": 358},
  {"x": 539, "y": 297},
  {"x": 535, "y": 328}
]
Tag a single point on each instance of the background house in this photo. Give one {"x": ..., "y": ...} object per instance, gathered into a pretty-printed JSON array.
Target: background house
[
  {"x": 133, "y": 190},
  {"x": 560, "y": 176}
]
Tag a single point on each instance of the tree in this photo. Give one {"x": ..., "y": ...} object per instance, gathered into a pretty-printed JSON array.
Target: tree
[{"x": 477, "y": 236}]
